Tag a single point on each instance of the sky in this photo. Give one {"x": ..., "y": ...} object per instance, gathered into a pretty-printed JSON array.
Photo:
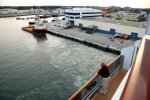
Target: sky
[{"x": 104, "y": 3}]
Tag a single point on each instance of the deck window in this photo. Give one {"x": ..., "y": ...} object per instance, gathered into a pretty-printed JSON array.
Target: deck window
[
  {"x": 67, "y": 13},
  {"x": 91, "y": 16},
  {"x": 91, "y": 12}
]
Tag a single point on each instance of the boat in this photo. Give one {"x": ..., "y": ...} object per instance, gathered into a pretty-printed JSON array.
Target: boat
[
  {"x": 45, "y": 21},
  {"x": 130, "y": 73},
  {"x": 55, "y": 19},
  {"x": 36, "y": 26},
  {"x": 36, "y": 29},
  {"x": 27, "y": 29}
]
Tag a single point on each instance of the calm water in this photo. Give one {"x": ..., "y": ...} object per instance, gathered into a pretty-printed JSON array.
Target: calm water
[{"x": 42, "y": 68}]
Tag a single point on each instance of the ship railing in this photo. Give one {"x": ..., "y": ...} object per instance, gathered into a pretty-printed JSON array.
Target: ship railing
[
  {"x": 137, "y": 85},
  {"x": 88, "y": 90}
]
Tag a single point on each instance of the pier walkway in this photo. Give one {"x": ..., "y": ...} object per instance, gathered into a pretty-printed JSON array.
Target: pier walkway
[{"x": 97, "y": 38}]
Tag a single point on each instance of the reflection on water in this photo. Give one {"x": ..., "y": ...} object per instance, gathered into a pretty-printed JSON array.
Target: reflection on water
[{"x": 40, "y": 37}]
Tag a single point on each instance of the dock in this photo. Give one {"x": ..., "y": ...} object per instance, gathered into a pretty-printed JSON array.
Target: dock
[{"x": 97, "y": 40}]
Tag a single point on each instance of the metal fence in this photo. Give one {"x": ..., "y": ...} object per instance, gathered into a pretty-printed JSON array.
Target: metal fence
[{"x": 90, "y": 88}]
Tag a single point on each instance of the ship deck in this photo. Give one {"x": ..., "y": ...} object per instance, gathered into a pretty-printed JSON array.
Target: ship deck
[{"x": 113, "y": 85}]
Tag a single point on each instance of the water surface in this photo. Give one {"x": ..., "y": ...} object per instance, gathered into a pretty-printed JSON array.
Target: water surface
[{"x": 43, "y": 68}]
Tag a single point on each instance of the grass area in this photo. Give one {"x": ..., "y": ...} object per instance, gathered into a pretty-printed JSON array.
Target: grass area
[
  {"x": 137, "y": 20},
  {"x": 133, "y": 20},
  {"x": 108, "y": 16},
  {"x": 118, "y": 18}
]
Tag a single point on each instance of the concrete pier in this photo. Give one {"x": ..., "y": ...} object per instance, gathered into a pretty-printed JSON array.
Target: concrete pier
[{"x": 97, "y": 40}]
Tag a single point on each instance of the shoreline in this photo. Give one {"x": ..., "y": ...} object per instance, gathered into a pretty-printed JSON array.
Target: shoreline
[
  {"x": 13, "y": 15},
  {"x": 7, "y": 16},
  {"x": 86, "y": 42}
]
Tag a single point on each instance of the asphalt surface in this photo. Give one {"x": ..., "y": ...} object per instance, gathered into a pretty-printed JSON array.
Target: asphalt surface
[{"x": 119, "y": 22}]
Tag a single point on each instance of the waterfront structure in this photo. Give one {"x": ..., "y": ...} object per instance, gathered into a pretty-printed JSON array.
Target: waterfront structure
[
  {"x": 8, "y": 11},
  {"x": 76, "y": 13},
  {"x": 28, "y": 11}
]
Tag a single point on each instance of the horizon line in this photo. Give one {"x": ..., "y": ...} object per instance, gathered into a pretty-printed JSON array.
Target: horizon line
[{"x": 72, "y": 6}]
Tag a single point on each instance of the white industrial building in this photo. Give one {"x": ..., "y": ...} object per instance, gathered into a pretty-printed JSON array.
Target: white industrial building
[{"x": 76, "y": 13}]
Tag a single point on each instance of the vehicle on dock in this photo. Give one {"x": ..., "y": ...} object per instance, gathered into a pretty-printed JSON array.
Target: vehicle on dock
[
  {"x": 55, "y": 19},
  {"x": 63, "y": 18},
  {"x": 89, "y": 31},
  {"x": 45, "y": 21}
]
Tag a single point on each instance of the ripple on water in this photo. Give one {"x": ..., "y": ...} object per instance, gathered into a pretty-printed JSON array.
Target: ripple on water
[{"x": 52, "y": 69}]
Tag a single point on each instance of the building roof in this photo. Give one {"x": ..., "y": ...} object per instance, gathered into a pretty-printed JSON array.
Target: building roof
[{"x": 82, "y": 10}]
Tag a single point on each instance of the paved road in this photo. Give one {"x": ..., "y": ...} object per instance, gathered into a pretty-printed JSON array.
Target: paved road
[{"x": 120, "y": 22}]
